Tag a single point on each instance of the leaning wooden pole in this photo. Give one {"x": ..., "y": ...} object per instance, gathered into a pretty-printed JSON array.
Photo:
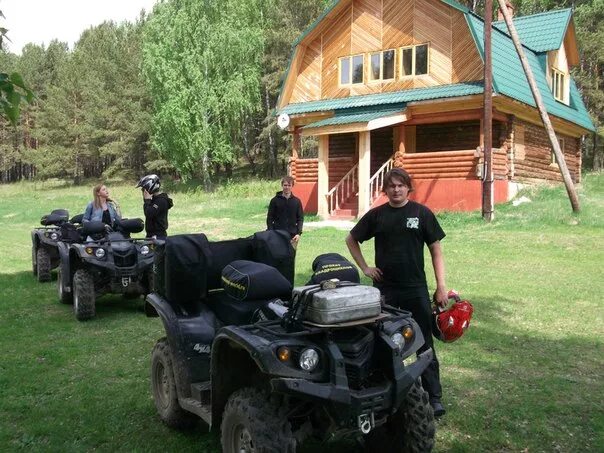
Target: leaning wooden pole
[
  {"x": 487, "y": 122},
  {"x": 570, "y": 188}
]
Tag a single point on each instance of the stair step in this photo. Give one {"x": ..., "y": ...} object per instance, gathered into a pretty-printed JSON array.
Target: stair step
[{"x": 345, "y": 212}]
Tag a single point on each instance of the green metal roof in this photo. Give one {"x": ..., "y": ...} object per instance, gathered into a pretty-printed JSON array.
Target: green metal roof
[
  {"x": 541, "y": 32},
  {"x": 396, "y": 97},
  {"x": 358, "y": 115},
  {"x": 509, "y": 78}
]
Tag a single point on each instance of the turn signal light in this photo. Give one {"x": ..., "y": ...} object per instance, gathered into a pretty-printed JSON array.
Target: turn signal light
[
  {"x": 407, "y": 333},
  {"x": 89, "y": 250},
  {"x": 283, "y": 353}
]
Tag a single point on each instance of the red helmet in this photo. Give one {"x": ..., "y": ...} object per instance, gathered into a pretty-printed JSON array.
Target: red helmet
[{"x": 448, "y": 324}]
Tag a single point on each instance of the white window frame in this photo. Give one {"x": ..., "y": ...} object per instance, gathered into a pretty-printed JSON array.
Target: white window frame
[
  {"x": 413, "y": 62},
  {"x": 559, "y": 84},
  {"x": 350, "y": 59},
  {"x": 381, "y": 63}
]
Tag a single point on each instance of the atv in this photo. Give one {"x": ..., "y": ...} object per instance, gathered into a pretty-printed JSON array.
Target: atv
[
  {"x": 269, "y": 369},
  {"x": 44, "y": 252},
  {"x": 107, "y": 261}
]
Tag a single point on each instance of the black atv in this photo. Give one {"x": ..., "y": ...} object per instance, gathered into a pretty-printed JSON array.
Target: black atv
[
  {"x": 44, "y": 252},
  {"x": 107, "y": 261},
  {"x": 271, "y": 373}
]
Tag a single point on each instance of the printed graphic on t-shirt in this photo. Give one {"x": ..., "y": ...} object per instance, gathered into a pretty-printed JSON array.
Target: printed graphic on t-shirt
[{"x": 413, "y": 223}]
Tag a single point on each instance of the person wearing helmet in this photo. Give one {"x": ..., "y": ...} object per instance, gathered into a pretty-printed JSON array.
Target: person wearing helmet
[
  {"x": 401, "y": 227},
  {"x": 156, "y": 205}
]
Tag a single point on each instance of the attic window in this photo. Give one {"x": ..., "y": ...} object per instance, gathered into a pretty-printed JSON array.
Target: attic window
[
  {"x": 351, "y": 70},
  {"x": 558, "y": 84},
  {"x": 414, "y": 60},
  {"x": 381, "y": 65}
]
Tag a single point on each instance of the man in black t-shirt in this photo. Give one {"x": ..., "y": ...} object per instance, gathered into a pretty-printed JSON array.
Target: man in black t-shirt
[{"x": 401, "y": 227}]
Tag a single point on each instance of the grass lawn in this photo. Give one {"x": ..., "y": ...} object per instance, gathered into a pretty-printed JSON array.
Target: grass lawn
[{"x": 527, "y": 377}]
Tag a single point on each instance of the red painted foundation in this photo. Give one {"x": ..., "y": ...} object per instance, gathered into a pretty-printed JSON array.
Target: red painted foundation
[
  {"x": 452, "y": 194},
  {"x": 437, "y": 194},
  {"x": 307, "y": 193}
]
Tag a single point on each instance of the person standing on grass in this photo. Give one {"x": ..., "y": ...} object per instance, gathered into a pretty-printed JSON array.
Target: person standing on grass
[
  {"x": 285, "y": 211},
  {"x": 156, "y": 205},
  {"x": 401, "y": 227},
  {"x": 101, "y": 208}
]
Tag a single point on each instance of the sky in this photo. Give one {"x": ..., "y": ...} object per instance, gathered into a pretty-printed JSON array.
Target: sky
[{"x": 41, "y": 21}]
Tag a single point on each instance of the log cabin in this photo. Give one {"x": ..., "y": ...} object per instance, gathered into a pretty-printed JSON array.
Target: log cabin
[{"x": 377, "y": 84}]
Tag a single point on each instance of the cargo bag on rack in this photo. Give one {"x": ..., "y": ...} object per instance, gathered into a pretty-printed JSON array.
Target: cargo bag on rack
[
  {"x": 246, "y": 280},
  {"x": 333, "y": 265}
]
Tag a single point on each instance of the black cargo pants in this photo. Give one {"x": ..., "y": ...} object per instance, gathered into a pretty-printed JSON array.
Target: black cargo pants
[{"x": 418, "y": 303}]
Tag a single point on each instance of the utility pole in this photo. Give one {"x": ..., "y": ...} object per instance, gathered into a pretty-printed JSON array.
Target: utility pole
[
  {"x": 487, "y": 123},
  {"x": 570, "y": 188}
]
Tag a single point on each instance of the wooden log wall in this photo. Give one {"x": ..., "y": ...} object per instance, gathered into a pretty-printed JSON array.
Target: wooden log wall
[
  {"x": 453, "y": 164},
  {"x": 453, "y": 136},
  {"x": 365, "y": 26},
  {"x": 306, "y": 170},
  {"x": 532, "y": 154}
]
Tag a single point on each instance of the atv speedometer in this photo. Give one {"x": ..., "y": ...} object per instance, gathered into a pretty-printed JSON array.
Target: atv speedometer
[
  {"x": 99, "y": 253},
  {"x": 309, "y": 359},
  {"x": 145, "y": 250}
]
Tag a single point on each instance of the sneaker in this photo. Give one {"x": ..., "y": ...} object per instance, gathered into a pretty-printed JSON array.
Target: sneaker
[{"x": 438, "y": 408}]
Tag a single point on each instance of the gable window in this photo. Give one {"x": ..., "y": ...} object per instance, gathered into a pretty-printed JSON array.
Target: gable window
[
  {"x": 351, "y": 70},
  {"x": 381, "y": 65},
  {"x": 414, "y": 60},
  {"x": 558, "y": 84}
]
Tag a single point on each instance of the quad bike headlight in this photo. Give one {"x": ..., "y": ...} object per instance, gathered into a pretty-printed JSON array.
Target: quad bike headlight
[
  {"x": 145, "y": 250},
  {"x": 54, "y": 236},
  {"x": 399, "y": 340},
  {"x": 309, "y": 359},
  {"x": 99, "y": 253}
]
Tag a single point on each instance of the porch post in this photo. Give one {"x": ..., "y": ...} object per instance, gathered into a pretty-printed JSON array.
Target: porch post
[
  {"x": 399, "y": 154},
  {"x": 364, "y": 171},
  {"x": 323, "y": 176}
]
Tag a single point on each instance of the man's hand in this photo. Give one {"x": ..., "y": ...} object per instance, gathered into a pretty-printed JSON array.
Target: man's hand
[
  {"x": 373, "y": 273},
  {"x": 440, "y": 297},
  {"x": 295, "y": 239},
  {"x": 147, "y": 195}
]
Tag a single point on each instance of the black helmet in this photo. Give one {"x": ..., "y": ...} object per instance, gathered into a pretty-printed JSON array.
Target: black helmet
[{"x": 150, "y": 183}]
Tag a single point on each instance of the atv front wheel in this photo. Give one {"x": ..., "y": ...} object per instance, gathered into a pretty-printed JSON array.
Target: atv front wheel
[
  {"x": 43, "y": 265},
  {"x": 83, "y": 295},
  {"x": 163, "y": 387},
  {"x": 66, "y": 297},
  {"x": 253, "y": 421},
  {"x": 411, "y": 429}
]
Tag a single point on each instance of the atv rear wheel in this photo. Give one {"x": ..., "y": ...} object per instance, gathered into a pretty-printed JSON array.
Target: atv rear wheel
[
  {"x": 43, "y": 265},
  {"x": 66, "y": 297},
  {"x": 411, "y": 429},
  {"x": 83, "y": 295},
  {"x": 34, "y": 266},
  {"x": 163, "y": 386},
  {"x": 254, "y": 421}
]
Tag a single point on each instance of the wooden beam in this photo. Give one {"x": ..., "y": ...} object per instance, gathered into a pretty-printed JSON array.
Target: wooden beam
[
  {"x": 364, "y": 171},
  {"x": 488, "y": 201},
  {"x": 570, "y": 188},
  {"x": 292, "y": 76},
  {"x": 323, "y": 177}
]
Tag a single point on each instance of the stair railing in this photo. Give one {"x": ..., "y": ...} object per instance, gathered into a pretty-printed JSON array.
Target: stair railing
[
  {"x": 343, "y": 190},
  {"x": 377, "y": 180}
]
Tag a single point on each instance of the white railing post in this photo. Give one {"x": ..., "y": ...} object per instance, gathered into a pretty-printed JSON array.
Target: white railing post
[
  {"x": 342, "y": 190},
  {"x": 377, "y": 180}
]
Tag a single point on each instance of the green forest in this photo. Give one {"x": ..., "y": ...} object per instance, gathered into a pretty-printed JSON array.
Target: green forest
[{"x": 190, "y": 89}]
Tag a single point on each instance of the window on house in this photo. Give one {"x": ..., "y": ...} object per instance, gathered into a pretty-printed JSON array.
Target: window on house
[
  {"x": 351, "y": 70},
  {"x": 381, "y": 65},
  {"x": 553, "y": 160},
  {"x": 414, "y": 60},
  {"x": 558, "y": 84}
]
